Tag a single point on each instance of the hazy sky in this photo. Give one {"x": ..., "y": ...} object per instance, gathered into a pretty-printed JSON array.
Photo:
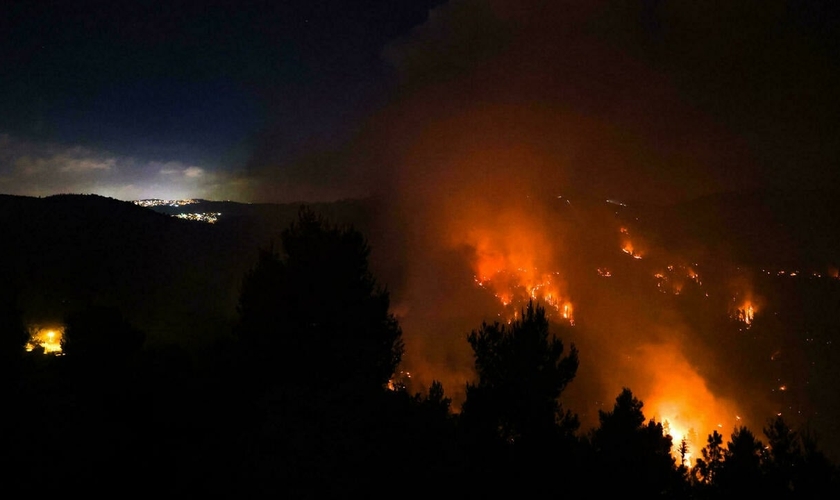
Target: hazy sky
[
  {"x": 318, "y": 100},
  {"x": 470, "y": 118}
]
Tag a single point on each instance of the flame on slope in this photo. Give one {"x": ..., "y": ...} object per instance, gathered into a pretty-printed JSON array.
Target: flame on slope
[
  {"x": 745, "y": 304},
  {"x": 674, "y": 278},
  {"x": 510, "y": 256},
  {"x": 627, "y": 247},
  {"x": 679, "y": 397},
  {"x": 745, "y": 309}
]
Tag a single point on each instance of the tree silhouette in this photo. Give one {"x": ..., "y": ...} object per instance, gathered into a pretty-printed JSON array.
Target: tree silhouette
[
  {"x": 741, "y": 473},
  {"x": 13, "y": 337},
  {"x": 638, "y": 454},
  {"x": 521, "y": 374},
  {"x": 315, "y": 313},
  {"x": 684, "y": 450},
  {"x": 796, "y": 465},
  {"x": 99, "y": 338},
  {"x": 706, "y": 468}
]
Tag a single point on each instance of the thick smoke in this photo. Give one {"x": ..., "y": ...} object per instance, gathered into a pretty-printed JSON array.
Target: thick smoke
[
  {"x": 512, "y": 121},
  {"x": 515, "y": 121}
]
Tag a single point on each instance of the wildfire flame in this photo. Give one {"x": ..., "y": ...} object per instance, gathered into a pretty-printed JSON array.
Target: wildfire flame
[
  {"x": 681, "y": 400},
  {"x": 512, "y": 258},
  {"x": 514, "y": 288},
  {"x": 745, "y": 312},
  {"x": 627, "y": 248}
]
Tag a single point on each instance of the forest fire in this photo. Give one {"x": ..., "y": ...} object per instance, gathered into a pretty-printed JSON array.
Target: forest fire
[
  {"x": 627, "y": 248},
  {"x": 47, "y": 338},
  {"x": 673, "y": 279},
  {"x": 515, "y": 288},
  {"x": 745, "y": 311},
  {"x": 513, "y": 258},
  {"x": 680, "y": 399},
  {"x": 745, "y": 302}
]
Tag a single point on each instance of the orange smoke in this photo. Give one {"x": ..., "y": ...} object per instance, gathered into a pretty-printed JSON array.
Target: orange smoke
[
  {"x": 627, "y": 245},
  {"x": 511, "y": 257},
  {"x": 679, "y": 397},
  {"x": 745, "y": 308}
]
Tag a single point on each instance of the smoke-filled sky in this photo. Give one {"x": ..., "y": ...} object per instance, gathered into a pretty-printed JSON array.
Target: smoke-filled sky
[
  {"x": 319, "y": 100},
  {"x": 473, "y": 122}
]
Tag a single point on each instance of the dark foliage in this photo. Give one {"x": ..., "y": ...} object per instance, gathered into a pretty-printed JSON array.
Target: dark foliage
[
  {"x": 13, "y": 338},
  {"x": 317, "y": 310},
  {"x": 100, "y": 337},
  {"x": 742, "y": 474},
  {"x": 521, "y": 374},
  {"x": 637, "y": 454},
  {"x": 295, "y": 406}
]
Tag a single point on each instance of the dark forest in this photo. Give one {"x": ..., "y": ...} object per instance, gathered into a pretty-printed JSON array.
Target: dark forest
[{"x": 300, "y": 389}]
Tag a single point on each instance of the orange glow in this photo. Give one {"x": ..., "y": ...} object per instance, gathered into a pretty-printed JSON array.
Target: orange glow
[
  {"x": 399, "y": 380},
  {"x": 512, "y": 257},
  {"x": 692, "y": 275},
  {"x": 627, "y": 248},
  {"x": 48, "y": 338},
  {"x": 679, "y": 396},
  {"x": 745, "y": 304},
  {"x": 515, "y": 287},
  {"x": 746, "y": 312}
]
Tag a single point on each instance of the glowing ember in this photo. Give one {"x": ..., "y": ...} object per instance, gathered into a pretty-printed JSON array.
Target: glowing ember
[
  {"x": 629, "y": 250},
  {"x": 694, "y": 276},
  {"x": 515, "y": 288},
  {"x": 47, "y": 338},
  {"x": 746, "y": 313},
  {"x": 399, "y": 380},
  {"x": 511, "y": 258}
]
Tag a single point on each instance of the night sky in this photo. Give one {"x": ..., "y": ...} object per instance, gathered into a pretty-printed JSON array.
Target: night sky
[
  {"x": 322, "y": 100},
  {"x": 471, "y": 124},
  {"x": 184, "y": 99}
]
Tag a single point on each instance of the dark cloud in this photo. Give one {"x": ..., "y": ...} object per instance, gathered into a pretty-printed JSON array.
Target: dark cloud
[
  {"x": 650, "y": 100},
  {"x": 502, "y": 106}
]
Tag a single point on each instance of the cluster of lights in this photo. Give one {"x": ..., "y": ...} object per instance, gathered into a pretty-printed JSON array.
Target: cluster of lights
[
  {"x": 156, "y": 202},
  {"x": 208, "y": 217},
  {"x": 792, "y": 274}
]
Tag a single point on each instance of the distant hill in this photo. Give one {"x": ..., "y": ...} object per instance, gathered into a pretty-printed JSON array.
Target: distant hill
[
  {"x": 176, "y": 275},
  {"x": 178, "y": 280},
  {"x": 780, "y": 228},
  {"x": 174, "y": 278}
]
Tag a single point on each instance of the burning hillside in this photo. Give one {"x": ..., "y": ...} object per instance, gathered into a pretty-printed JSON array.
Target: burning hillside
[{"x": 687, "y": 333}]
